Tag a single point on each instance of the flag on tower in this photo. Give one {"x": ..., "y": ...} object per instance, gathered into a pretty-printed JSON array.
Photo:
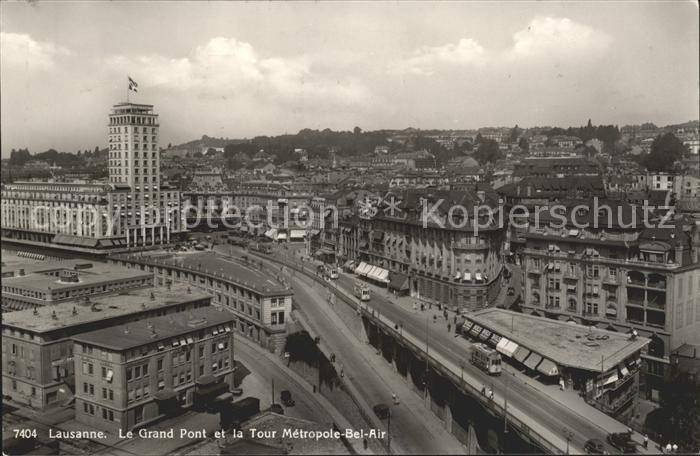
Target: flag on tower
[{"x": 133, "y": 85}]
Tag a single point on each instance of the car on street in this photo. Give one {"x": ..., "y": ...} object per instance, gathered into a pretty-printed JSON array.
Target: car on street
[
  {"x": 382, "y": 411},
  {"x": 237, "y": 392},
  {"x": 594, "y": 446},
  {"x": 622, "y": 442},
  {"x": 276, "y": 408},
  {"x": 286, "y": 398}
]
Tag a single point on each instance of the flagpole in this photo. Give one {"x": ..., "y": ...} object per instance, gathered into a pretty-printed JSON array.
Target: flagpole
[{"x": 128, "y": 83}]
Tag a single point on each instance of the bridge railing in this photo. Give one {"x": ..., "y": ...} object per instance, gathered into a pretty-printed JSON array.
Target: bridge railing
[{"x": 440, "y": 365}]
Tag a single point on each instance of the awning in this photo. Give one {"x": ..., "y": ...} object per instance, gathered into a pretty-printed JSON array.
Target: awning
[
  {"x": 398, "y": 281},
  {"x": 383, "y": 275},
  {"x": 78, "y": 241},
  {"x": 507, "y": 347},
  {"x": 457, "y": 275},
  {"x": 467, "y": 326},
  {"x": 206, "y": 380},
  {"x": 571, "y": 287},
  {"x": 371, "y": 272},
  {"x": 573, "y": 232},
  {"x": 349, "y": 264},
  {"x": 548, "y": 368},
  {"x": 495, "y": 339},
  {"x": 485, "y": 334},
  {"x": 165, "y": 394},
  {"x": 475, "y": 330},
  {"x": 478, "y": 276},
  {"x": 271, "y": 233},
  {"x": 281, "y": 236},
  {"x": 612, "y": 378},
  {"x": 520, "y": 354},
  {"x": 533, "y": 360},
  {"x": 360, "y": 270},
  {"x": 468, "y": 276},
  {"x": 296, "y": 234},
  {"x": 624, "y": 372}
]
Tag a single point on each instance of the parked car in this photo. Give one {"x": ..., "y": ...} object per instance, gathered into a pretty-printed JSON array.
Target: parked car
[
  {"x": 594, "y": 446},
  {"x": 382, "y": 411},
  {"x": 237, "y": 391},
  {"x": 511, "y": 291},
  {"x": 622, "y": 441},
  {"x": 286, "y": 398}
]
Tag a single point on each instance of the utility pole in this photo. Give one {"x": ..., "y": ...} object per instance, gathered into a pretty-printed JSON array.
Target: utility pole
[
  {"x": 273, "y": 391},
  {"x": 505, "y": 409},
  {"x": 427, "y": 353},
  {"x": 388, "y": 433}
]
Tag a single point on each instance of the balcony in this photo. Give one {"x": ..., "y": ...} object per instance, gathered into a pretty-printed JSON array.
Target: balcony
[{"x": 470, "y": 246}]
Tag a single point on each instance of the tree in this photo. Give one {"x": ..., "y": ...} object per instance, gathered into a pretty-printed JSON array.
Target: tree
[
  {"x": 357, "y": 131},
  {"x": 515, "y": 133},
  {"x": 488, "y": 152},
  {"x": 524, "y": 144},
  {"x": 678, "y": 418},
  {"x": 665, "y": 150},
  {"x": 478, "y": 139},
  {"x": 19, "y": 157}
]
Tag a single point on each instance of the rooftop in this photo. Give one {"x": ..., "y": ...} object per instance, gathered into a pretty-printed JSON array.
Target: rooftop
[
  {"x": 261, "y": 281},
  {"x": 136, "y": 334},
  {"x": 75, "y": 313},
  {"x": 566, "y": 343},
  {"x": 37, "y": 274}
]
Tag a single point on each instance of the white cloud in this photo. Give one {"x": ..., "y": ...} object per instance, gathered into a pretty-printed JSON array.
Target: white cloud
[
  {"x": 426, "y": 58},
  {"x": 553, "y": 38},
  {"x": 22, "y": 50},
  {"x": 226, "y": 66},
  {"x": 558, "y": 37}
]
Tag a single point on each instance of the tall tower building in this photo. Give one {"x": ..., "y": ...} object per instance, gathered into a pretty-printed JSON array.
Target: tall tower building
[{"x": 133, "y": 147}]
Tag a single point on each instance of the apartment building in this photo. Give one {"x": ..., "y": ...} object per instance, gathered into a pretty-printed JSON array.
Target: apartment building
[
  {"x": 616, "y": 274},
  {"x": 37, "y": 361},
  {"x": 259, "y": 298},
  {"x": 127, "y": 375}
]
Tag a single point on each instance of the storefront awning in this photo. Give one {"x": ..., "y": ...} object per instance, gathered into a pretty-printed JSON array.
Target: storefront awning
[
  {"x": 624, "y": 372},
  {"x": 467, "y": 326},
  {"x": 296, "y": 234},
  {"x": 281, "y": 236},
  {"x": 478, "y": 276},
  {"x": 349, "y": 264},
  {"x": 548, "y": 368},
  {"x": 520, "y": 354},
  {"x": 360, "y": 269},
  {"x": 383, "y": 275},
  {"x": 533, "y": 360},
  {"x": 507, "y": 347},
  {"x": 485, "y": 335},
  {"x": 468, "y": 276},
  {"x": 475, "y": 330},
  {"x": 271, "y": 233}
]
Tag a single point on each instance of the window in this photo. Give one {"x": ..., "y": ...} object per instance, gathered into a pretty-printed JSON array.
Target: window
[
  {"x": 160, "y": 365},
  {"x": 129, "y": 374},
  {"x": 111, "y": 394}
]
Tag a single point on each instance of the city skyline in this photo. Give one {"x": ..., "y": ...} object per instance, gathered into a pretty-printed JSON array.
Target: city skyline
[{"x": 227, "y": 77}]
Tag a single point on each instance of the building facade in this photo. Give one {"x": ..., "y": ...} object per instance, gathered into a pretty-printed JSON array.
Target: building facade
[
  {"x": 37, "y": 362},
  {"x": 126, "y": 375}
]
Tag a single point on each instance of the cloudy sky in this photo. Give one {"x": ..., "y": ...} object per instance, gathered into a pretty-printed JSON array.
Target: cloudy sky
[{"x": 246, "y": 69}]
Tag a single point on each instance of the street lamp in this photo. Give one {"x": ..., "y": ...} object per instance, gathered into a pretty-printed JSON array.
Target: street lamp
[{"x": 568, "y": 435}]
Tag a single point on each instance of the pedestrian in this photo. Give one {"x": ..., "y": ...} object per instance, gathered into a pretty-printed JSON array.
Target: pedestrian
[
  {"x": 490, "y": 394},
  {"x": 483, "y": 390},
  {"x": 434, "y": 318},
  {"x": 449, "y": 327},
  {"x": 675, "y": 448},
  {"x": 646, "y": 441},
  {"x": 669, "y": 448}
]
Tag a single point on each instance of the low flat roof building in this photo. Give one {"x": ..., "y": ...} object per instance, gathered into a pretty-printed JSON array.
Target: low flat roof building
[
  {"x": 30, "y": 283},
  {"x": 602, "y": 364},
  {"x": 37, "y": 362}
]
